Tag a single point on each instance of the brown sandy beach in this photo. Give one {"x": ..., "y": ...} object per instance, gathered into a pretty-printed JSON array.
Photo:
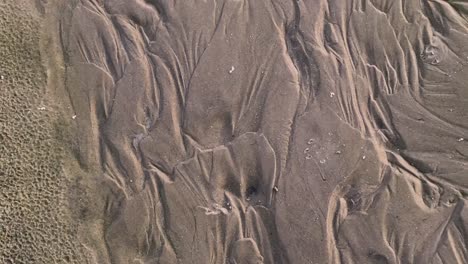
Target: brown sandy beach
[{"x": 233, "y": 131}]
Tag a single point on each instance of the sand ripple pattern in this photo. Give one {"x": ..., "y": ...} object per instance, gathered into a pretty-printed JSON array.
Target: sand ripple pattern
[{"x": 283, "y": 131}]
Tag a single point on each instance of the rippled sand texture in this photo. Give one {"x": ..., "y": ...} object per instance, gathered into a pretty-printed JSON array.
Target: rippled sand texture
[{"x": 283, "y": 131}]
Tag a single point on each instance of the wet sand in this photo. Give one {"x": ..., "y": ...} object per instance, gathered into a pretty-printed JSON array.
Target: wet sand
[{"x": 234, "y": 131}]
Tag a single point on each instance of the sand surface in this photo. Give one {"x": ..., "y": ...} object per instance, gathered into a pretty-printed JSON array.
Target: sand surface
[{"x": 234, "y": 131}]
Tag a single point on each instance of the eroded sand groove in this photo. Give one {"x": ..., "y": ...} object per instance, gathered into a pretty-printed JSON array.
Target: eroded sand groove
[{"x": 243, "y": 131}]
